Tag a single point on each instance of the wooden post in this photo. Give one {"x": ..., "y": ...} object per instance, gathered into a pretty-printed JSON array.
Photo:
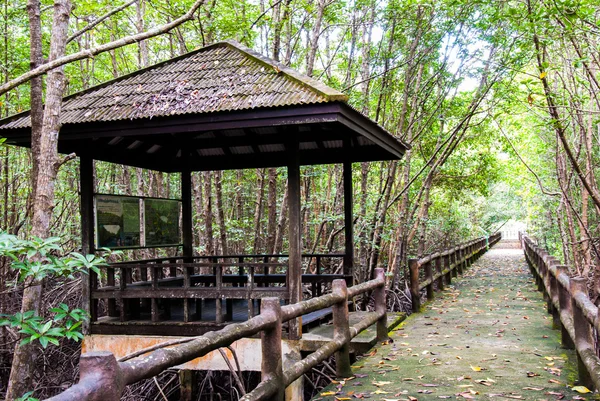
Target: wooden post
[
  {"x": 556, "y": 324},
  {"x": 187, "y": 233},
  {"x": 583, "y": 329},
  {"x": 86, "y": 184},
  {"x": 447, "y": 262},
  {"x": 439, "y": 265},
  {"x": 348, "y": 221},
  {"x": 295, "y": 222},
  {"x": 381, "y": 306},
  {"x": 341, "y": 329},
  {"x": 272, "y": 364},
  {"x": 429, "y": 277},
  {"x": 186, "y": 385},
  {"x": 459, "y": 255},
  {"x": 564, "y": 299},
  {"x": 186, "y": 215},
  {"x": 413, "y": 266},
  {"x": 454, "y": 261}
]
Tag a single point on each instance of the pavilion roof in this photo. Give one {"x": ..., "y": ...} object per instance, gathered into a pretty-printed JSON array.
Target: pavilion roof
[{"x": 217, "y": 102}]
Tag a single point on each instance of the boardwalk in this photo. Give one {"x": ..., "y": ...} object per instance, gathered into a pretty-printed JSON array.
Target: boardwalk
[{"x": 486, "y": 336}]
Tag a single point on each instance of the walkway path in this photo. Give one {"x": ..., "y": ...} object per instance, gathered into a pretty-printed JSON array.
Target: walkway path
[{"x": 486, "y": 336}]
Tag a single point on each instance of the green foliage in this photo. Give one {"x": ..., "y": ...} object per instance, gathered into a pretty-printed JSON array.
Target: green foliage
[{"x": 37, "y": 259}]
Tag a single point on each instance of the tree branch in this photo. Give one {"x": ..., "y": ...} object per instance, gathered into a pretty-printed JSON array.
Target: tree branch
[
  {"x": 100, "y": 49},
  {"x": 99, "y": 20}
]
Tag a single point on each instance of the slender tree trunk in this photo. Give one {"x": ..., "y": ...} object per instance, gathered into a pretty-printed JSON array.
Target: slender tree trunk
[
  {"x": 258, "y": 211},
  {"x": 220, "y": 212},
  {"x": 46, "y": 158},
  {"x": 208, "y": 214}
]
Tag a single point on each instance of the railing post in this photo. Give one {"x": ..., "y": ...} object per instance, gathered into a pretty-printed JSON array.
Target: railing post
[
  {"x": 381, "y": 306},
  {"x": 459, "y": 255},
  {"x": 341, "y": 329},
  {"x": 564, "y": 300},
  {"x": 272, "y": 364},
  {"x": 454, "y": 261},
  {"x": 447, "y": 262},
  {"x": 583, "y": 329},
  {"x": 413, "y": 266},
  {"x": 429, "y": 277},
  {"x": 554, "y": 296},
  {"x": 440, "y": 267}
]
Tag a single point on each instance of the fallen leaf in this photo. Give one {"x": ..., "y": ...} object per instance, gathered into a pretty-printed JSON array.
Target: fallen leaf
[
  {"x": 581, "y": 389},
  {"x": 380, "y": 392},
  {"x": 476, "y": 368},
  {"x": 379, "y": 384},
  {"x": 533, "y": 388},
  {"x": 328, "y": 393},
  {"x": 554, "y": 381}
]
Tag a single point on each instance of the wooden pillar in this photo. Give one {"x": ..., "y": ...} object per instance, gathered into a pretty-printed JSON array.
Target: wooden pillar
[
  {"x": 86, "y": 185},
  {"x": 348, "y": 222},
  {"x": 294, "y": 225},
  {"x": 186, "y": 214}
]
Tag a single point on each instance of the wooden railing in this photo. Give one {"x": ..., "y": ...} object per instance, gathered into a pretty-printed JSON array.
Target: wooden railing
[
  {"x": 571, "y": 309},
  {"x": 152, "y": 286},
  {"x": 102, "y": 377},
  {"x": 447, "y": 264}
]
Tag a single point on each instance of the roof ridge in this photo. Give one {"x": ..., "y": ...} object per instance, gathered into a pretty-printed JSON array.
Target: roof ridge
[{"x": 308, "y": 82}]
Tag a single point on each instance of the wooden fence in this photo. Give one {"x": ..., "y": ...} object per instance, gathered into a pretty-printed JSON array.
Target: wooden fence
[
  {"x": 152, "y": 288},
  {"x": 447, "y": 264},
  {"x": 572, "y": 310},
  {"x": 103, "y": 378}
]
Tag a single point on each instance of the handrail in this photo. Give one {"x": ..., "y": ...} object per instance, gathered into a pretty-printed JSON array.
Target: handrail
[
  {"x": 570, "y": 306},
  {"x": 448, "y": 263},
  {"x": 234, "y": 256},
  {"x": 103, "y": 378}
]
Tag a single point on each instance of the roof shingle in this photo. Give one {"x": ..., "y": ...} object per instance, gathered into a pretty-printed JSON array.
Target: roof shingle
[{"x": 225, "y": 76}]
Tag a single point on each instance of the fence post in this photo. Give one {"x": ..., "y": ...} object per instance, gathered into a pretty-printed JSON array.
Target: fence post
[
  {"x": 454, "y": 261},
  {"x": 413, "y": 266},
  {"x": 554, "y": 296},
  {"x": 447, "y": 262},
  {"x": 583, "y": 330},
  {"x": 440, "y": 267},
  {"x": 381, "y": 306},
  {"x": 459, "y": 254},
  {"x": 341, "y": 329},
  {"x": 564, "y": 300},
  {"x": 272, "y": 364},
  {"x": 429, "y": 277}
]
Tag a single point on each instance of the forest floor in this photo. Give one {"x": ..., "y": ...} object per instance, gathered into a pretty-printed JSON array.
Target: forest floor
[{"x": 487, "y": 336}]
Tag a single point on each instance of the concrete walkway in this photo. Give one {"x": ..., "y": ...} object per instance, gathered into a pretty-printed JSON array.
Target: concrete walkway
[{"x": 486, "y": 336}]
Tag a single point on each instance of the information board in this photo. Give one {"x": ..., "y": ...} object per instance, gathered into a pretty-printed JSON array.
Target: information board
[
  {"x": 161, "y": 217},
  {"x": 117, "y": 221}
]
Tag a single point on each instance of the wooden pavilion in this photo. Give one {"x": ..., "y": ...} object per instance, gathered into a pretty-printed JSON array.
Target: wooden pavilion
[{"x": 220, "y": 107}]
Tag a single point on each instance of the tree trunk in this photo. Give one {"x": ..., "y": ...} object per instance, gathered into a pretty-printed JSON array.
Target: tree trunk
[
  {"x": 220, "y": 212},
  {"x": 46, "y": 158}
]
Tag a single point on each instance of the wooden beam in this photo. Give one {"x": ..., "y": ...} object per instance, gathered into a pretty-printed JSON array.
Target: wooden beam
[
  {"x": 348, "y": 220},
  {"x": 86, "y": 185},
  {"x": 294, "y": 224},
  {"x": 186, "y": 209}
]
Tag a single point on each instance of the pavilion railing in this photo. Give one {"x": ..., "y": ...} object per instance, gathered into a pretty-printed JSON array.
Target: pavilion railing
[
  {"x": 176, "y": 289},
  {"x": 573, "y": 312},
  {"x": 447, "y": 264},
  {"x": 102, "y": 377}
]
